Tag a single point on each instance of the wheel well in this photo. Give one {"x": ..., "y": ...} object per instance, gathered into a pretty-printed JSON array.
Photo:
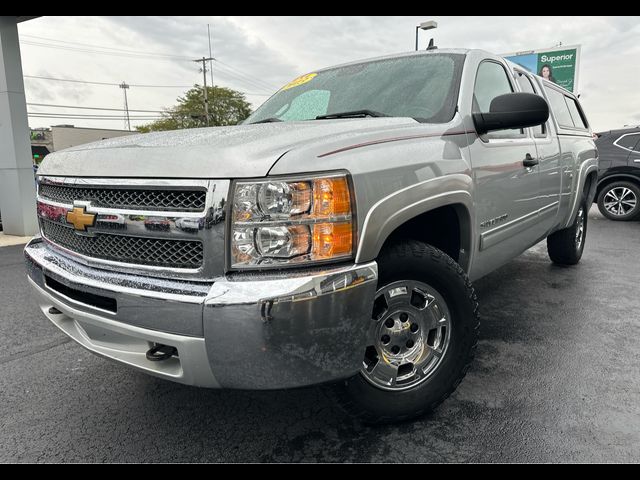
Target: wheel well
[
  {"x": 610, "y": 180},
  {"x": 446, "y": 228}
]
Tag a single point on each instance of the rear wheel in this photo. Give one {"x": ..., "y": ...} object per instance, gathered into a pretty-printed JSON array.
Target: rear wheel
[
  {"x": 619, "y": 201},
  {"x": 565, "y": 246},
  {"x": 423, "y": 335}
]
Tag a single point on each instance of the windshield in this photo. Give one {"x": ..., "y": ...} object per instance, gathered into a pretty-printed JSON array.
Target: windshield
[{"x": 423, "y": 87}]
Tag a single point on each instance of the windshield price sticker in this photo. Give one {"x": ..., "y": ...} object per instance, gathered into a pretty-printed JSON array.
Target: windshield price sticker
[{"x": 299, "y": 81}]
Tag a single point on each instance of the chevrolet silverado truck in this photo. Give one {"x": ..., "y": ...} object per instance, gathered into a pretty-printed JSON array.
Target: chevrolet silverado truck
[{"x": 333, "y": 236}]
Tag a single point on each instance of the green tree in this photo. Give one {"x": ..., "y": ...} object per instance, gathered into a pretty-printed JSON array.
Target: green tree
[{"x": 226, "y": 107}]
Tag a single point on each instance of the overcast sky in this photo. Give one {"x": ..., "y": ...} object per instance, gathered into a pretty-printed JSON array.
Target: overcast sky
[{"x": 257, "y": 55}]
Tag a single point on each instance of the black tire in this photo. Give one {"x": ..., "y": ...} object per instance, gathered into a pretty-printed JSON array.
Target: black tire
[
  {"x": 563, "y": 246},
  {"x": 417, "y": 261},
  {"x": 608, "y": 194}
]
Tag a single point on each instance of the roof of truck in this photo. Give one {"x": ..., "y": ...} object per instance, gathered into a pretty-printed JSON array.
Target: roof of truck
[{"x": 460, "y": 51}]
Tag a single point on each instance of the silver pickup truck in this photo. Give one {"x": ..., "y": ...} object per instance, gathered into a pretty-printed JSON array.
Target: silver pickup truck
[{"x": 330, "y": 239}]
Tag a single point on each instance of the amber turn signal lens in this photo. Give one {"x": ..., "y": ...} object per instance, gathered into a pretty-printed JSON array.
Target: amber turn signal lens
[
  {"x": 332, "y": 240},
  {"x": 331, "y": 197}
]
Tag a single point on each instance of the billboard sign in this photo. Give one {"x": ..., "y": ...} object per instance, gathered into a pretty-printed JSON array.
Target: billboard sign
[{"x": 559, "y": 64}]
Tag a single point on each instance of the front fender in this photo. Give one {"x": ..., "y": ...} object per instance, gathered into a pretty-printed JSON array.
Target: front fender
[{"x": 392, "y": 211}]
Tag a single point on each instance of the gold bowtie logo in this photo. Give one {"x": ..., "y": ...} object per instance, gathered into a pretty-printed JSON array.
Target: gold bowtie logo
[{"x": 80, "y": 218}]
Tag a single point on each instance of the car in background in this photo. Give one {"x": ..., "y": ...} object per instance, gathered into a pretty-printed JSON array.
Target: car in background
[
  {"x": 157, "y": 223},
  {"x": 618, "y": 191},
  {"x": 112, "y": 220},
  {"x": 190, "y": 224}
]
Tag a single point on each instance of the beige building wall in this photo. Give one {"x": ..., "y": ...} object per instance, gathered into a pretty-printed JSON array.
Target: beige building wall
[{"x": 65, "y": 137}]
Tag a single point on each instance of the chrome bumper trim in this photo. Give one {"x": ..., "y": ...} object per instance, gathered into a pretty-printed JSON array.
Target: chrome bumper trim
[
  {"x": 246, "y": 331},
  {"x": 128, "y": 344}
]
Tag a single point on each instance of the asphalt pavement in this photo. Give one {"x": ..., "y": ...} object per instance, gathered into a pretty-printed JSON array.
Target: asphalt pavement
[{"x": 556, "y": 379}]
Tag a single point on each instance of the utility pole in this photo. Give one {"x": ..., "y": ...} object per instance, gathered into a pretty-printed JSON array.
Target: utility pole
[
  {"x": 204, "y": 77},
  {"x": 213, "y": 99},
  {"x": 127, "y": 123}
]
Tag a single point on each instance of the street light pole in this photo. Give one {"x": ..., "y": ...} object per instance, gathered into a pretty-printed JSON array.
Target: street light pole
[
  {"x": 425, "y": 26},
  {"x": 124, "y": 88}
]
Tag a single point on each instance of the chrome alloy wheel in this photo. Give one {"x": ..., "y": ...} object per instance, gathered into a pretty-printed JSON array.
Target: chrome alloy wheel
[
  {"x": 619, "y": 201},
  {"x": 580, "y": 228},
  {"x": 410, "y": 335}
]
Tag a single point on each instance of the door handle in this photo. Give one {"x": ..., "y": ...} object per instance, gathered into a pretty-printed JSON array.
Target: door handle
[{"x": 529, "y": 161}]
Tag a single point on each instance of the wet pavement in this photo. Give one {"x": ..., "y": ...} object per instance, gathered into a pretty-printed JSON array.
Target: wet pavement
[{"x": 556, "y": 379}]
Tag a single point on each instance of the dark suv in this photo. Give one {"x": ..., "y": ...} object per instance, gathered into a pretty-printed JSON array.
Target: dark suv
[{"x": 618, "y": 194}]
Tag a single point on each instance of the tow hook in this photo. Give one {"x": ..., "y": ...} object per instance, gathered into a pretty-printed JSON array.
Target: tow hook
[
  {"x": 160, "y": 352},
  {"x": 265, "y": 311}
]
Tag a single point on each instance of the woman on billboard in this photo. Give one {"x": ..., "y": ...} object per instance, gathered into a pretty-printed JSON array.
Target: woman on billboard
[{"x": 545, "y": 72}]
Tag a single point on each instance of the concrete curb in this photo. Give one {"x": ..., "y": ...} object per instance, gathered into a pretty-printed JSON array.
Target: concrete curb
[{"x": 9, "y": 240}]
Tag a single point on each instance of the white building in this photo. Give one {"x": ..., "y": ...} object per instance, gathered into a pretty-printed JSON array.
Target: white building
[{"x": 59, "y": 137}]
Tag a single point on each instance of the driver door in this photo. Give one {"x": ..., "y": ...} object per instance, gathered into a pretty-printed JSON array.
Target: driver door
[{"x": 506, "y": 192}]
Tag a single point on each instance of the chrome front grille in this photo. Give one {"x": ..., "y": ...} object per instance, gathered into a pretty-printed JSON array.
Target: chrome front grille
[
  {"x": 130, "y": 199},
  {"x": 122, "y": 248},
  {"x": 154, "y": 227}
]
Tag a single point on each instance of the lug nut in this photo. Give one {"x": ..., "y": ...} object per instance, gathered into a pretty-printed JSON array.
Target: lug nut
[
  {"x": 395, "y": 349},
  {"x": 389, "y": 323},
  {"x": 414, "y": 327},
  {"x": 404, "y": 317},
  {"x": 385, "y": 339},
  {"x": 410, "y": 344}
]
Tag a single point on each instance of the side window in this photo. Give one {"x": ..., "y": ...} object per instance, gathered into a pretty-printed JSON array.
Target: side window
[
  {"x": 526, "y": 86},
  {"x": 559, "y": 108},
  {"x": 524, "y": 83},
  {"x": 576, "y": 113},
  {"x": 492, "y": 81},
  {"x": 628, "y": 141}
]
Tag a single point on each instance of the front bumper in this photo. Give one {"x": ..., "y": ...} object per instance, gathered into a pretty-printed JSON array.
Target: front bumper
[{"x": 248, "y": 331}]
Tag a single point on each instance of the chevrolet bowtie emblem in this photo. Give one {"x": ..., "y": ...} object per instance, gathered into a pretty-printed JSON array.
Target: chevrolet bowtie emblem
[{"x": 80, "y": 218}]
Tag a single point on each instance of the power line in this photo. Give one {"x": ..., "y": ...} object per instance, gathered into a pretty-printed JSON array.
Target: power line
[
  {"x": 105, "y": 83},
  {"x": 122, "y": 115},
  {"x": 80, "y": 115},
  {"x": 108, "y": 48},
  {"x": 266, "y": 84},
  {"x": 99, "y": 52},
  {"x": 254, "y": 81},
  {"x": 90, "y": 108},
  {"x": 81, "y": 47},
  {"x": 244, "y": 78},
  {"x": 71, "y": 80},
  {"x": 130, "y": 84}
]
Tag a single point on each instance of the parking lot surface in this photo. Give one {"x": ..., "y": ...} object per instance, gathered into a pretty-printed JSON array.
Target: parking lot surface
[{"x": 556, "y": 379}]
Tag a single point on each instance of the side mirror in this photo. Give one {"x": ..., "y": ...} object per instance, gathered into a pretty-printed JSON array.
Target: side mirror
[{"x": 512, "y": 110}]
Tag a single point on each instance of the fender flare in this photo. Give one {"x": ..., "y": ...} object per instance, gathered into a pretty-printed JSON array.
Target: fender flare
[
  {"x": 392, "y": 211},
  {"x": 588, "y": 166}
]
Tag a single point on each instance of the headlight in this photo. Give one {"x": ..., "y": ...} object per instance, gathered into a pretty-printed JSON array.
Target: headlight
[{"x": 280, "y": 222}]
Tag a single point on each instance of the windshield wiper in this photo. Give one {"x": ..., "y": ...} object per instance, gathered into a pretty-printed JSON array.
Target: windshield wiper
[
  {"x": 266, "y": 120},
  {"x": 353, "y": 113}
]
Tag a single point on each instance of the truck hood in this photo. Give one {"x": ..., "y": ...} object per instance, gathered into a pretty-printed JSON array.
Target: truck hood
[{"x": 218, "y": 152}]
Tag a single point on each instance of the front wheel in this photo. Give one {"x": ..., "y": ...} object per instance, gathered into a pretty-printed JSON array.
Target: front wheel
[
  {"x": 423, "y": 336},
  {"x": 620, "y": 201}
]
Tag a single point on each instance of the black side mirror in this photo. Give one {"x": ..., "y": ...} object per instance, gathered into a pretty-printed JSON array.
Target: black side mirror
[{"x": 512, "y": 110}]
